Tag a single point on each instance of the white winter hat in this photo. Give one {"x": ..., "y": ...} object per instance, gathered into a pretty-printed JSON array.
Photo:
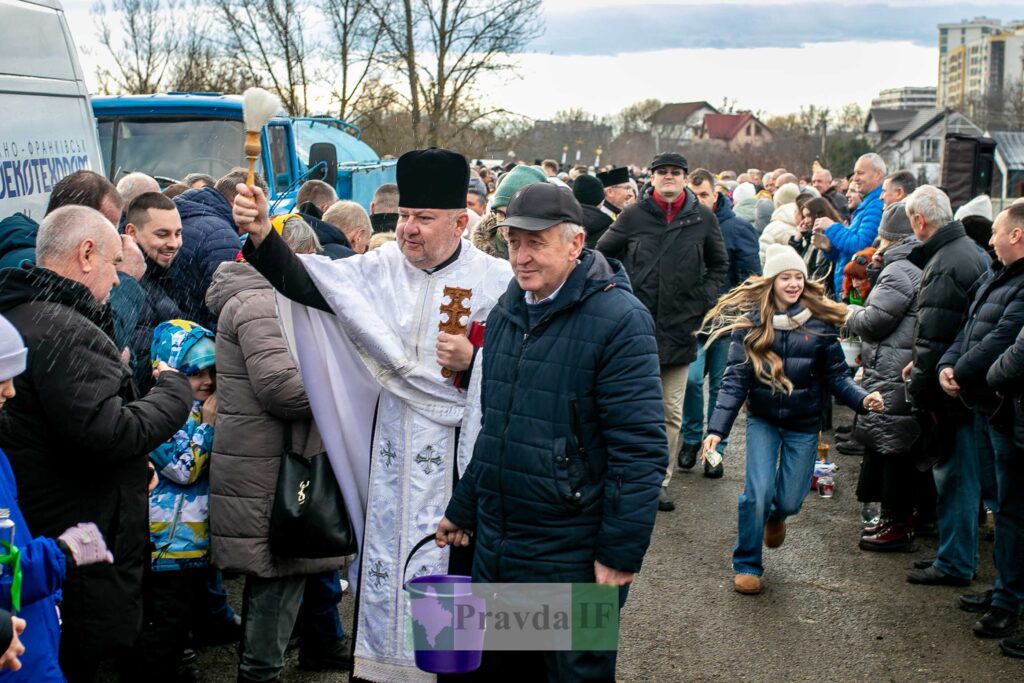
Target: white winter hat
[
  {"x": 781, "y": 257},
  {"x": 786, "y": 194},
  {"x": 12, "y": 351},
  {"x": 743, "y": 191},
  {"x": 979, "y": 206}
]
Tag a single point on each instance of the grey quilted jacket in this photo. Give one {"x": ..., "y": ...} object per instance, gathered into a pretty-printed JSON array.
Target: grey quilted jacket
[
  {"x": 259, "y": 394},
  {"x": 886, "y": 326}
]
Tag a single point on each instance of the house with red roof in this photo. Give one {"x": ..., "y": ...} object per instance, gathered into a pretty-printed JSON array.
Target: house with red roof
[
  {"x": 735, "y": 131},
  {"x": 678, "y": 123}
]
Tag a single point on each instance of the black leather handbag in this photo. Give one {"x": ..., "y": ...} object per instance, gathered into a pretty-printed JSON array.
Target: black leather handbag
[{"x": 309, "y": 519}]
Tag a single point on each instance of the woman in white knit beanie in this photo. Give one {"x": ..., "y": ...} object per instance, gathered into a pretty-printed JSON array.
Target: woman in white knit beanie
[{"x": 784, "y": 353}]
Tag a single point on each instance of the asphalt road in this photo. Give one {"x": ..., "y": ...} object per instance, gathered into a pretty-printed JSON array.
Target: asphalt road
[{"x": 829, "y": 611}]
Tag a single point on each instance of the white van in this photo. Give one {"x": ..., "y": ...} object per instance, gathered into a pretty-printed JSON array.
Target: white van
[{"x": 47, "y": 128}]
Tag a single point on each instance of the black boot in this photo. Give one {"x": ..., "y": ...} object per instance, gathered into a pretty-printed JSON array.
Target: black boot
[{"x": 688, "y": 456}]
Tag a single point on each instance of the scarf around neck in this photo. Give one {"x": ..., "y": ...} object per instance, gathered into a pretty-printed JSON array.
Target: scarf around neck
[{"x": 785, "y": 321}]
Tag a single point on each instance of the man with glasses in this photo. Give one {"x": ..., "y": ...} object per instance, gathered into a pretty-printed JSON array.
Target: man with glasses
[
  {"x": 673, "y": 251},
  {"x": 78, "y": 434},
  {"x": 616, "y": 190}
]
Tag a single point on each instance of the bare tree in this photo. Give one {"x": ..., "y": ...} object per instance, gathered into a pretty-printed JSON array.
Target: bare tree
[
  {"x": 146, "y": 38},
  {"x": 266, "y": 40},
  {"x": 633, "y": 119},
  {"x": 1015, "y": 105},
  {"x": 849, "y": 119},
  {"x": 200, "y": 64},
  {"x": 443, "y": 47},
  {"x": 355, "y": 37}
]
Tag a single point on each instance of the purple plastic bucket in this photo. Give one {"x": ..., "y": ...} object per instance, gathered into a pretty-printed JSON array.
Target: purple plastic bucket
[{"x": 434, "y": 600}]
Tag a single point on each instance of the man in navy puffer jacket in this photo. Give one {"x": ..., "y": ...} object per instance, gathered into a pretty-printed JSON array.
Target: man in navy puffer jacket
[
  {"x": 565, "y": 476},
  {"x": 209, "y": 237}
]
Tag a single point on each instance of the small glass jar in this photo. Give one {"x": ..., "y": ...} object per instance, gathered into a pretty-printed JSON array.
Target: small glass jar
[{"x": 826, "y": 486}]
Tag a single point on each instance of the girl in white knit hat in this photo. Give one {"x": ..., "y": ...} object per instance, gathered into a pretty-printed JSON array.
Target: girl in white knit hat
[{"x": 785, "y": 351}]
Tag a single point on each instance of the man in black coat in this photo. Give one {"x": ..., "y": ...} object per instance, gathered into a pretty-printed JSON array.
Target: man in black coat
[
  {"x": 741, "y": 245},
  {"x": 1006, "y": 376},
  {"x": 77, "y": 434},
  {"x": 674, "y": 254},
  {"x": 995, "y": 319},
  {"x": 951, "y": 270},
  {"x": 822, "y": 182}
]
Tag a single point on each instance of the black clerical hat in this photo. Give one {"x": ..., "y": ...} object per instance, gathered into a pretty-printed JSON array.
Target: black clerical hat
[
  {"x": 615, "y": 176},
  {"x": 432, "y": 179}
]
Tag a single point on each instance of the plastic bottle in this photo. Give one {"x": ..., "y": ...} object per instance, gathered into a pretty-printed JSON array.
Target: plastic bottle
[{"x": 6, "y": 533}]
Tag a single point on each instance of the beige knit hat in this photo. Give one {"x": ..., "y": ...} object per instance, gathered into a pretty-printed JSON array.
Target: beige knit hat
[
  {"x": 780, "y": 258},
  {"x": 786, "y": 194}
]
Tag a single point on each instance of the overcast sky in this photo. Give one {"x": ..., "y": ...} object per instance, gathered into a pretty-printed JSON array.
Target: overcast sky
[{"x": 771, "y": 55}]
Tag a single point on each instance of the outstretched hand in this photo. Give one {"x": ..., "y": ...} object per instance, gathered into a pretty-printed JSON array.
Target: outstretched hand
[{"x": 251, "y": 212}]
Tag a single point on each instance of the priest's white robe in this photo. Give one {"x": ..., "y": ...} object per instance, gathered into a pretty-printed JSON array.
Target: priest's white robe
[{"x": 382, "y": 344}]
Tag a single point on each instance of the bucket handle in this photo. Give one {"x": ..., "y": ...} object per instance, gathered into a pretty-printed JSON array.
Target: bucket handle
[{"x": 415, "y": 549}]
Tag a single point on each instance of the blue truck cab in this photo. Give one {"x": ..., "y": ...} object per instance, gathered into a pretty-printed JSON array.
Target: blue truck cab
[{"x": 171, "y": 135}]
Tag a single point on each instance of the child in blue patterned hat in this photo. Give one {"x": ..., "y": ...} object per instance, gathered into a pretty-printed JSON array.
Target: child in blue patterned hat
[{"x": 179, "y": 531}]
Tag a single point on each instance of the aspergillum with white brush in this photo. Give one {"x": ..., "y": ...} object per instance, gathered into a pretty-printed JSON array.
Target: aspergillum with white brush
[{"x": 258, "y": 107}]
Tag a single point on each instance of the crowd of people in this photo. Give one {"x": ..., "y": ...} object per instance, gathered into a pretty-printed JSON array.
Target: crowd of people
[{"x": 510, "y": 362}]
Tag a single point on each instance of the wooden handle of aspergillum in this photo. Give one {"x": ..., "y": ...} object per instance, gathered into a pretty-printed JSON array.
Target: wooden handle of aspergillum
[{"x": 252, "y": 152}]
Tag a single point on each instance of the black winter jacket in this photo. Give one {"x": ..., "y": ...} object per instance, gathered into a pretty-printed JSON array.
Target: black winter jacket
[
  {"x": 208, "y": 239},
  {"x": 886, "y": 325},
  {"x": 332, "y": 240},
  {"x": 994, "y": 320},
  {"x": 812, "y": 359},
  {"x": 951, "y": 270},
  {"x": 157, "y": 307},
  {"x": 78, "y": 439},
  {"x": 1007, "y": 377},
  {"x": 595, "y": 222},
  {"x": 690, "y": 266},
  {"x": 741, "y": 244},
  {"x": 568, "y": 465}
]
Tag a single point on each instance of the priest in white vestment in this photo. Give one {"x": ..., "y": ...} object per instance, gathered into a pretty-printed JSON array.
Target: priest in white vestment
[{"x": 399, "y": 433}]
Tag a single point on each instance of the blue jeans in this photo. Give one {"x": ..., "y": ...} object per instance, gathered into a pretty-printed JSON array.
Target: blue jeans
[
  {"x": 319, "y": 622},
  {"x": 988, "y": 442},
  {"x": 712, "y": 364},
  {"x": 958, "y": 489},
  {"x": 1008, "y": 592},
  {"x": 775, "y": 486}
]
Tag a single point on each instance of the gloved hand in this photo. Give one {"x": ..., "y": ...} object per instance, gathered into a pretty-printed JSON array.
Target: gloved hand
[{"x": 85, "y": 544}]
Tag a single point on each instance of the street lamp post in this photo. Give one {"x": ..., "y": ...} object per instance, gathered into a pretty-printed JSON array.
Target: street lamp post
[
  {"x": 579, "y": 145},
  {"x": 565, "y": 153},
  {"x": 597, "y": 158}
]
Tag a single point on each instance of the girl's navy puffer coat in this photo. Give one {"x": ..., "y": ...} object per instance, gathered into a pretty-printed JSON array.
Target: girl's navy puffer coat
[
  {"x": 569, "y": 462},
  {"x": 812, "y": 359}
]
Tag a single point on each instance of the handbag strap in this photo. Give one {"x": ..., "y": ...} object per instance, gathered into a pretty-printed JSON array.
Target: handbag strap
[{"x": 423, "y": 541}]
